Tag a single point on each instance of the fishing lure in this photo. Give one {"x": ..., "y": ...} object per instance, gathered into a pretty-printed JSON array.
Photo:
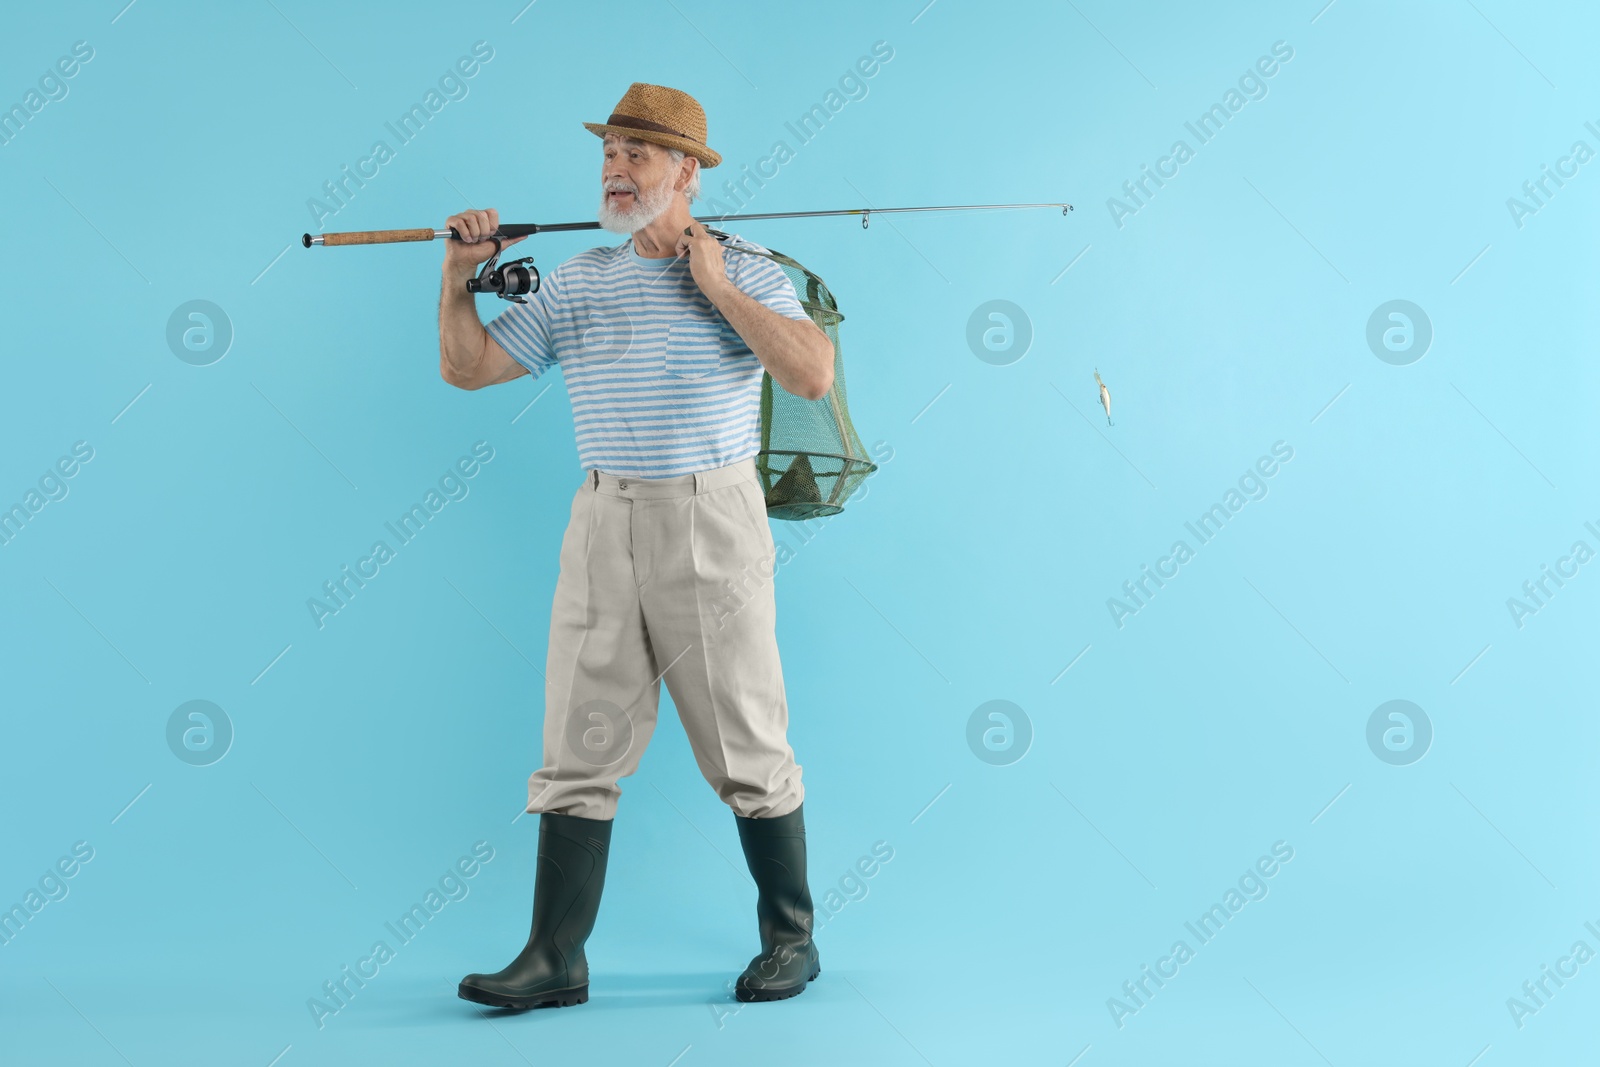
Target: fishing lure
[{"x": 1105, "y": 396}]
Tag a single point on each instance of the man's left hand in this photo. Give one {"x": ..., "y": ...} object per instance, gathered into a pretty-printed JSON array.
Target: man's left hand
[{"x": 705, "y": 259}]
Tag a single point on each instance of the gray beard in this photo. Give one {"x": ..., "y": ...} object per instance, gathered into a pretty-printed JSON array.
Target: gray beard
[{"x": 648, "y": 206}]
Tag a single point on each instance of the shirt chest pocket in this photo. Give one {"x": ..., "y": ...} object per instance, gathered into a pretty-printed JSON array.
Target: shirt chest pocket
[{"x": 694, "y": 348}]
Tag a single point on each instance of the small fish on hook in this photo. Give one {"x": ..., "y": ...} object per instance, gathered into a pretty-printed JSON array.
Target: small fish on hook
[{"x": 1105, "y": 396}]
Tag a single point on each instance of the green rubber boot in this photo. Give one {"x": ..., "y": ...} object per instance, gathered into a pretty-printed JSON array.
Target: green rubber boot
[
  {"x": 551, "y": 970},
  {"x": 775, "y": 850}
]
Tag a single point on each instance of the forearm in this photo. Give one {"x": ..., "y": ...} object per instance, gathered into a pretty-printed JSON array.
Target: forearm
[
  {"x": 462, "y": 338},
  {"x": 795, "y": 352}
]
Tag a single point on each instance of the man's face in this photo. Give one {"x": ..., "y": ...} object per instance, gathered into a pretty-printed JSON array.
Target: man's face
[{"x": 635, "y": 184}]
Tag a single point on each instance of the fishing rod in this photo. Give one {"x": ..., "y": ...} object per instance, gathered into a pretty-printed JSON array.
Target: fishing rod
[
  {"x": 527, "y": 229},
  {"x": 512, "y": 278}
]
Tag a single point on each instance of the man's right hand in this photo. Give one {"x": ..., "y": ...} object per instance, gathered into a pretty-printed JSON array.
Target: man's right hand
[
  {"x": 474, "y": 247},
  {"x": 468, "y": 357}
]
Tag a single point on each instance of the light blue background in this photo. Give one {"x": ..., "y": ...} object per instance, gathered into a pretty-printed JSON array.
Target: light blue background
[{"x": 1230, "y": 713}]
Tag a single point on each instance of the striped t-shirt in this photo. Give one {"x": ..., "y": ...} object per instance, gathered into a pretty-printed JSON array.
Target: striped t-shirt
[{"x": 661, "y": 384}]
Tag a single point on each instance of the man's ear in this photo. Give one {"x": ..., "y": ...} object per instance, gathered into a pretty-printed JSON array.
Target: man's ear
[{"x": 689, "y": 176}]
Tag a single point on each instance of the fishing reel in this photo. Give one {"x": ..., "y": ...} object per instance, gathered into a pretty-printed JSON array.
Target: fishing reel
[{"x": 508, "y": 281}]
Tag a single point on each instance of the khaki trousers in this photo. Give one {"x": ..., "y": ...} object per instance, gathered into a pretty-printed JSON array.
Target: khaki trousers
[{"x": 666, "y": 578}]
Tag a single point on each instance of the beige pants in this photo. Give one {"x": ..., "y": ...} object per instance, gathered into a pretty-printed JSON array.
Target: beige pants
[{"x": 666, "y": 578}]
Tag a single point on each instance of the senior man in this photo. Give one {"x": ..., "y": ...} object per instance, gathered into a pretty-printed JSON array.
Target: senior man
[{"x": 662, "y": 342}]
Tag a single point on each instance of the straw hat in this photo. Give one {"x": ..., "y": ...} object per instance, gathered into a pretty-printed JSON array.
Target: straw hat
[{"x": 662, "y": 116}]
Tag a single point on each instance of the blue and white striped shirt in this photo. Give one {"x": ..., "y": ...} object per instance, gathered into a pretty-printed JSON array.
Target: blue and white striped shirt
[{"x": 661, "y": 383}]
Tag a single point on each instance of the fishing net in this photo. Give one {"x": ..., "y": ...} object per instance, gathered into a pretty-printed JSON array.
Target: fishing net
[{"x": 811, "y": 459}]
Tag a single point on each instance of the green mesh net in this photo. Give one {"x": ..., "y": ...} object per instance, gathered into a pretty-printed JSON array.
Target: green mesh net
[{"x": 811, "y": 459}]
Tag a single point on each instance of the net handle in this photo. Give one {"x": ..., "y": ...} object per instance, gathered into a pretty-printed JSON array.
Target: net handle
[{"x": 815, "y": 286}]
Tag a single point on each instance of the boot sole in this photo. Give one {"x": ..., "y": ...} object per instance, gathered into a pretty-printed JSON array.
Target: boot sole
[
  {"x": 749, "y": 996},
  {"x": 560, "y": 998}
]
